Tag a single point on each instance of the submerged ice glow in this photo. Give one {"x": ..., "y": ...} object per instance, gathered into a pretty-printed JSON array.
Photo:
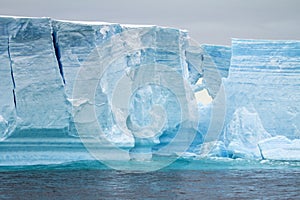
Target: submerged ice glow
[{"x": 43, "y": 59}]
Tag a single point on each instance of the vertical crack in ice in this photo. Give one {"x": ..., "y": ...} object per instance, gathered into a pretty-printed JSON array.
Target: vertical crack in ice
[
  {"x": 11, "y": 72},
  {"x": 58, "y": 55},
  {"x": 260, "y": 151}
]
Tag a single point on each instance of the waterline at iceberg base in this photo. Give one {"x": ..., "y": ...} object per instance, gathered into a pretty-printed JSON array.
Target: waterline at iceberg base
[{"x": 74, "y": 91}]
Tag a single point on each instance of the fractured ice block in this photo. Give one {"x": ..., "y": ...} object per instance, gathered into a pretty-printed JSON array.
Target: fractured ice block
[
  {"x": 7, "y": 106},
  {"x": 75, "y": 41},
  {"x": 127, "y": 48},
  {"x": 243, "y": 133},
  {"x": 280, "y": 148},
  {"x": 39, "y": 91}
]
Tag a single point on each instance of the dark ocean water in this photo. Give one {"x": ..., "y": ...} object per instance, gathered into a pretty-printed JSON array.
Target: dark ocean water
[{"x": 184, "y": 179}]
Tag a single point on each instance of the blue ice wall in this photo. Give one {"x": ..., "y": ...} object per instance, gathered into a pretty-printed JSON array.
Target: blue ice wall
[{"x": 264, "y": 75}]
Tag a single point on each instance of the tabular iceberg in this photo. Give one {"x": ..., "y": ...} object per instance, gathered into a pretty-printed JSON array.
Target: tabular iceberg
[{"x": 254, "y": 82}]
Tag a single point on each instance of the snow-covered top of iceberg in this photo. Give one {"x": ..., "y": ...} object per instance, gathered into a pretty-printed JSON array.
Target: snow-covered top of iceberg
[
  {"x": 260, "y": 41},
  {"x": 94, "y": 22},
  {"x": 19, "y": 17},
  {"x": 84, "y": 22}
]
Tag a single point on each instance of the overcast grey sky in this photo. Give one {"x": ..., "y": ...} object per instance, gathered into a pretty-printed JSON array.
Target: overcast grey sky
[{"x": 208, "y": 21}]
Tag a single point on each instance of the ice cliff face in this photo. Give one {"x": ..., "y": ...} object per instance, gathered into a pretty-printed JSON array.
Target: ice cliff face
[
  {"x": 261, "y": 97},
  {"x": 261, "y": 101},
  {"x": 216, "y": 66},
  {"x": 40, "y": 59},
  {"x": 6, "y": 85},
  {"x": 36, "y": 83},
  {"x": 265, "y": 75}
]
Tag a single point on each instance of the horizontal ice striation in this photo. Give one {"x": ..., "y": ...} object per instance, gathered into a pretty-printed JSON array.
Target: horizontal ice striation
[
  {"x": 261, "y": 97},
  {"x": 265, "y": 75},
  {"x": 34, "y": 150},
  {"x": 216, "y": 63},
  {"x": 220, "y": 56}
]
